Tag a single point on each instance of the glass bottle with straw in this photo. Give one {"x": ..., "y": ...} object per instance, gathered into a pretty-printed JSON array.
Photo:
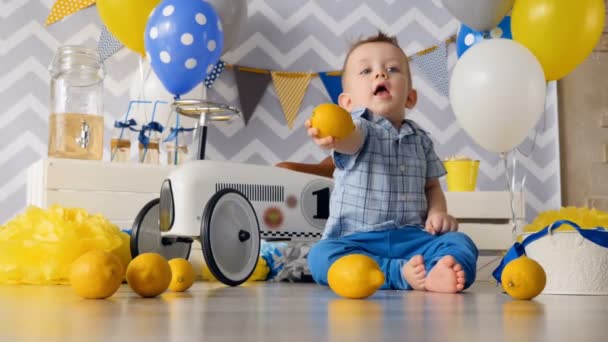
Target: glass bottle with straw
[
  {"x": 120, "y": 145},
  {"x": 177, "y": 142},
  {"x": 149, "y": 138}
]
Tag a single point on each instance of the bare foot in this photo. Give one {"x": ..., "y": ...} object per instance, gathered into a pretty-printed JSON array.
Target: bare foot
[
  {"x": 447, "y": 276},
  {"x": 414, "y": 272}
]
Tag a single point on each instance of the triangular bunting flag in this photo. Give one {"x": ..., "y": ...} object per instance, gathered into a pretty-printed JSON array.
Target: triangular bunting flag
[
  {"x": 63, "y": 8},
  {"x": 107, "y": 45},
  {"x": 214, "y": 74},
  {"x": 291, "y": 88},
  {"x": 433, "y": 63},
  {"x": 251, "y": 85},
  {"x": 333, "y": 84}
]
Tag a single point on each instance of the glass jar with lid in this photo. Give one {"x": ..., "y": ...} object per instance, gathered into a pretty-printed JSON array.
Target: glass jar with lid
[{"x": 76, "y": 122}]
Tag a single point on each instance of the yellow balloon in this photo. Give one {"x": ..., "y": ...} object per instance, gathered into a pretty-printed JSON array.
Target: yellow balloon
[
  {"x": 126, "y": 20},
  {"x": 561, "y": 34}
]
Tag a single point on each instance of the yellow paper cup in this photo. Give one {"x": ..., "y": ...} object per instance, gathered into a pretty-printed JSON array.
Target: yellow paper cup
[{"x": 462, "y": 174}]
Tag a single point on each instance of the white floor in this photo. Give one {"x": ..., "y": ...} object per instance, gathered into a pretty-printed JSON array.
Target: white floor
[{"x": 297, "y": 312}]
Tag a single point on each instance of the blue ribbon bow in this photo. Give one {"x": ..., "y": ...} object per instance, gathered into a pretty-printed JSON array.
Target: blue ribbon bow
[
  {"x": 175, "y": 132},
  {"x": 152, "y": 126},
  {"x": 598, "y": 236},
  {"x": 126, "y": 124}
]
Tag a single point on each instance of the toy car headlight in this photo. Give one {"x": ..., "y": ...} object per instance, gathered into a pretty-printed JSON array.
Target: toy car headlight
[{"x": 167, "y": 209}]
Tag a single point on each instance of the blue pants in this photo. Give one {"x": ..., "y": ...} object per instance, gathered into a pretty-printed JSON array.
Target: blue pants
[{"x": 392, "y": 249}]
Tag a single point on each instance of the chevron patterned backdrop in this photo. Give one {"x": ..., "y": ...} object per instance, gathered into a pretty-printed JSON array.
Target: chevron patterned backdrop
[{"x": 295, "y": 35}]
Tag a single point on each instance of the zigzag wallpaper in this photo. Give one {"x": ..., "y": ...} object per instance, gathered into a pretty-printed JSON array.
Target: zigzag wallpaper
[{"x": 294, "y": 35}]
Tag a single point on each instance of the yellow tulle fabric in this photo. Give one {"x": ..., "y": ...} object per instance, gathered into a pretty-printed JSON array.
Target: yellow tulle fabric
[
  {"x": 39, "y": 246},
  {"x": 584, "y": 217}
]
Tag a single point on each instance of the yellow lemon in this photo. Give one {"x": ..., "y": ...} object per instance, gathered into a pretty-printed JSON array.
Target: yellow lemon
[
  {"x": 259, "y": 273},
  {"x": 182, "y": 275},
  {"x": 355, "y": 276},
  {"x": 149, "y": 274},
  {"x": 206, "y": 274},
  {"x": 332, "y": 120},
  {"x": 96, "y": 274},
  {"x": 523, "y": 278}
]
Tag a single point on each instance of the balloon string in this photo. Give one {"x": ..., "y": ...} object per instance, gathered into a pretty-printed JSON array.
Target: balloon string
[
  {"x": 177, "y": 136},
  {"x": 172, "y": 112},
  {"x": 509, "y": 179},
  {"x": 544, "y": 128},
  {"x": 176, "y": 140},
  {"x": 142, "y": 82}
]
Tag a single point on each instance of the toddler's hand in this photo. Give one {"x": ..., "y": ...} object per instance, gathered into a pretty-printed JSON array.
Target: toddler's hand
[
  {"x": 326, "y": 143},
  {"x": 439, "y": 223}
]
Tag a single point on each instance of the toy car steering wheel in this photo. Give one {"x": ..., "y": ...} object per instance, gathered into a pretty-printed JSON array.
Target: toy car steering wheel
[{"x": 204, "y": 111}]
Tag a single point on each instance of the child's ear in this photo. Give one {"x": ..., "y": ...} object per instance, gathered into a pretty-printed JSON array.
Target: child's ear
[
  {"x": 345, "y": 101},
  {"x": 412, "y": 98}
]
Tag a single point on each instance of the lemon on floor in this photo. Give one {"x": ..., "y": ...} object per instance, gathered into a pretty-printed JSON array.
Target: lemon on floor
[
  {"x": 96, "y": 274},
  {"x": 182, "y": 275},
  {"x": 355, "y": 276},
  {"x": 260, "y": 273},
  {"x": 149, "y": 274},
  {"x": 523, "y": 278}
]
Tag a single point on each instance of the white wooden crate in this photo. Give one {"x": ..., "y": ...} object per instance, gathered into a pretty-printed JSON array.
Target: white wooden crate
[
  {"x": 486, "y": 217},
  {"x": 116, "y": 190},
  {"x": 120, "y": 190}
]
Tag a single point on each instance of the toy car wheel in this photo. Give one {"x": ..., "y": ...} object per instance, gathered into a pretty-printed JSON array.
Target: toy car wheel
[
  {"x": 146, "y": 235},
  {"x": 230, "y": 235}
]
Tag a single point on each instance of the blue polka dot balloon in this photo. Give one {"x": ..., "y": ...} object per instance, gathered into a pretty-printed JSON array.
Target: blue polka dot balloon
[
  {"x": 184, "y": 41},
  {"x": 468, "y": 37}
]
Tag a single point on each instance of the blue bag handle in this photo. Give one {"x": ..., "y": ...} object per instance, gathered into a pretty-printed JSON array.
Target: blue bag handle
[{"x": 598, "y": 236}]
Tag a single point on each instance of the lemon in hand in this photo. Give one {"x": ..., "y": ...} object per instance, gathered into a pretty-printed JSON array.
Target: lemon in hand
[
  {"x": 182, "y": 275},
  {"x": 523, "y": 278},
  {"x": 355, "y": 276},
  {"x": 149, "y": 274},
  {"x": 332, "y": 120},
  {"x": 96, "y": 274}
]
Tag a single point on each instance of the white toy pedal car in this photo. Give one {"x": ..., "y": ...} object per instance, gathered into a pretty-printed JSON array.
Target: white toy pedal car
[{"x": 228, "y": 207}]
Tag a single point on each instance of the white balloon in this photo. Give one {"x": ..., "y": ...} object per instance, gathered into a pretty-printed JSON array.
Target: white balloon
[
  {"x": 497, "y": 92},
  {"x": 153, "y": 90},
  {"x": 233, "y": 13},
  {"x": 480, "y": 15}
]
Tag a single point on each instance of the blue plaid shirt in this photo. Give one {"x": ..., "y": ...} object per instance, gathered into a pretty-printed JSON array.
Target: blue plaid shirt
[{"x": 382, "y": 186}]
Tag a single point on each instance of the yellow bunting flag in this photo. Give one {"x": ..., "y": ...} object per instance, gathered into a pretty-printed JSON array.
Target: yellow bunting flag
[
  {"x": 63, "y": 8},
  {"x": 291, "y": 88}
]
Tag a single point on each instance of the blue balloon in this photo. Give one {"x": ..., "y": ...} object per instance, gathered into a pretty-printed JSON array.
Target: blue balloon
[
  {"x": 468, "y": 37},
  {"x": 183, "y": 41}
]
